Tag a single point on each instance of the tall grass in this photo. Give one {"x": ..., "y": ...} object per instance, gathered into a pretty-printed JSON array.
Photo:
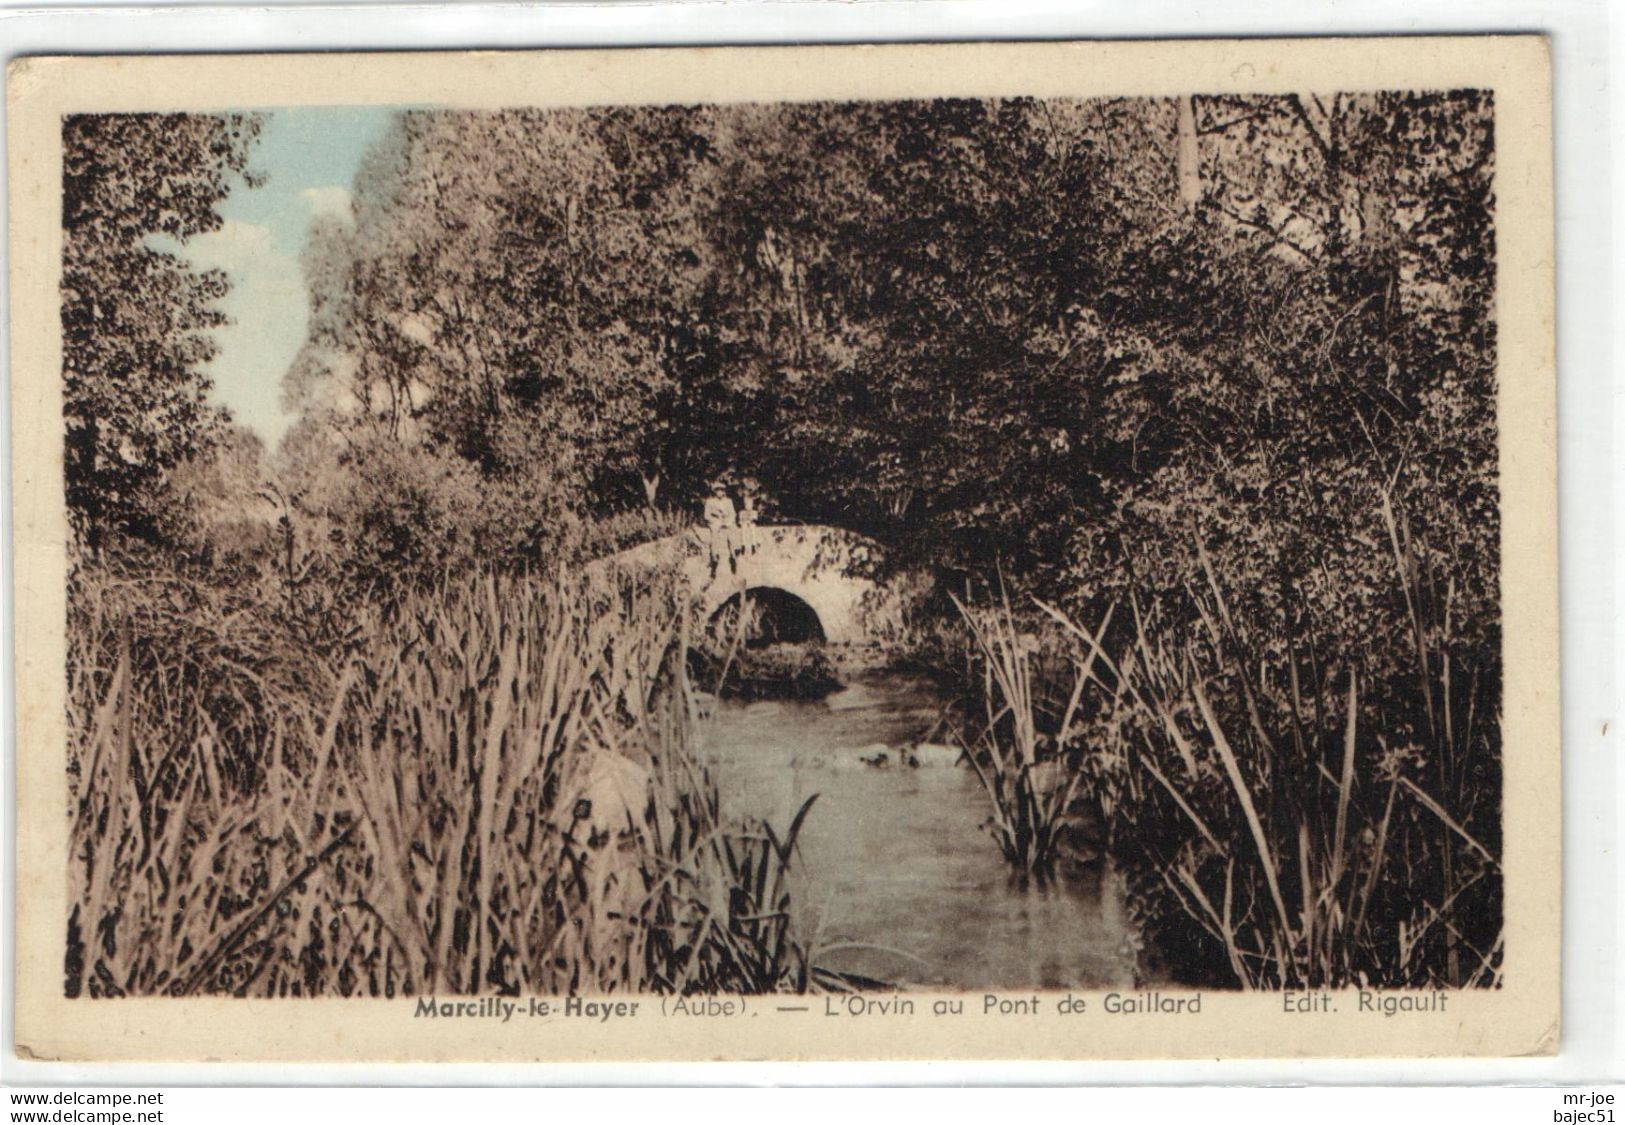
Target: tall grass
[
  {"x": 491, "y": 790},
  {"x": 1293, "y": 823},
  {"x": 1019, "y": 764}
]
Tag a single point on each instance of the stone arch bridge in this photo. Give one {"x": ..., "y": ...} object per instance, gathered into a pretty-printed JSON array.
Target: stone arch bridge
[{"x": 830, "y": 570}]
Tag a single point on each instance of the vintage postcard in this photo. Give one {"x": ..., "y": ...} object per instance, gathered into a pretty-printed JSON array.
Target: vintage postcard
[{"x": 1001, "y": 551}]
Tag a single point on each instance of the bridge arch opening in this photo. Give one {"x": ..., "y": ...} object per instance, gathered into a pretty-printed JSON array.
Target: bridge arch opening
[{"x": 769, "y": 616}]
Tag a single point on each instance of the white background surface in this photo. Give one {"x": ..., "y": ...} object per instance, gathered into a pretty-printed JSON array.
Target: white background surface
[{"x": 1586, "y": 41}]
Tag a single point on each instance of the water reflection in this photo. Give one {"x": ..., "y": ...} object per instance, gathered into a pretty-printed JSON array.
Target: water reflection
[{"x": 901, "y": 880}]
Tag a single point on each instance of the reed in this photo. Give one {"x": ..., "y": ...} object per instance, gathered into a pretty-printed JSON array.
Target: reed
[
  {"x": 491, "y": 789},
  {"x": 1018, "y": 754},
  {"x": 1318, "y": 826}
]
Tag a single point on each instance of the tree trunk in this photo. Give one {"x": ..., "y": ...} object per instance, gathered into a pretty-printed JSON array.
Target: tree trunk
[{"x": 1189, "y": 157}]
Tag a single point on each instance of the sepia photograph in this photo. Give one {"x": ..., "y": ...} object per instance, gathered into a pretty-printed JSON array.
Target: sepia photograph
[{"x": 1015, "y": 548}]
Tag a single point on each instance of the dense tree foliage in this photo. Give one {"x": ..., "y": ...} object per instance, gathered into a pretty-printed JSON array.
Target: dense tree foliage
[
  {"x": 508, "y": 318},
  {"x": 1013, "y": 331},
  {"x": 135, "y": 316}
]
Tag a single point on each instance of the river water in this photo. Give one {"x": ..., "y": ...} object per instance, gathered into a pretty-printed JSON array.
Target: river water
[{"x": 898, "y": 876}]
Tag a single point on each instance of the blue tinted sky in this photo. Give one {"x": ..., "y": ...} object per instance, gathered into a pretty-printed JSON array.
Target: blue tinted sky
[{"x": 309, "y": 157}]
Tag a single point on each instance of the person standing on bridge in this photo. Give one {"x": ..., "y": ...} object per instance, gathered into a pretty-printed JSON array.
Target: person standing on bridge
[
  {"x": 720, "y": 520},
  {"x": 749, "y": 513}
]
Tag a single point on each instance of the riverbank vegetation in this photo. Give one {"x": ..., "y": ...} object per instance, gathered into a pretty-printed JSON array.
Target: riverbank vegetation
[
  {"x": 488, "y": 788},
  {"x": 1189, "y": 401},
  {"x": 1311, "y": 827},
  {"x": 1275, "y": 663}
]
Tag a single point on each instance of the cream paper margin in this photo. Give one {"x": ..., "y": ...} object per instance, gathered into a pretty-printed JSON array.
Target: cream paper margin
[{"x": 1520, "y": 1018}]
